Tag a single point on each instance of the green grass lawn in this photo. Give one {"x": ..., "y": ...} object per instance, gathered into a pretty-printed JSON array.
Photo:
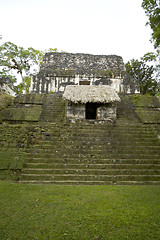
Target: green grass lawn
[{"x": 79, "y": 212}]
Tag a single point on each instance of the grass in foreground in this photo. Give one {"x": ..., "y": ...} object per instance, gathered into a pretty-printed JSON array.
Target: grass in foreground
[{"x": 79, "y": 212}]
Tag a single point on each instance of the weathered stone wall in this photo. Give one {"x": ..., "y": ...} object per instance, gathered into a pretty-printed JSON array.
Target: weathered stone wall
[
  {"x": 106, "y": 113},
  {"x": 24, "y": 108},
  {"x": 32, "y": 108},
  {"x": 61, "y": 69},
  {"x": 77, "y": 112}
]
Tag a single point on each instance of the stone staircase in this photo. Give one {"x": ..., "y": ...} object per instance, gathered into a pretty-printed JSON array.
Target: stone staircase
[
  {"x": 53, "y": 109},
  {"x": 47, "y": 149},
  {"x": 126, "y": 112},
  {"x": 91, "y": 153}
]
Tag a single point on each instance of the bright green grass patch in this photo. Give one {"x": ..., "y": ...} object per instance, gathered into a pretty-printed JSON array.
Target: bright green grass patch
[{"x": 79, "y": 212}]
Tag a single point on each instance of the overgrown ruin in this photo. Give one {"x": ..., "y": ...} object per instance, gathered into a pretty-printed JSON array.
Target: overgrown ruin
[
  {"x": 39, "y": 146},
  {"x": 78, "y": 127}
]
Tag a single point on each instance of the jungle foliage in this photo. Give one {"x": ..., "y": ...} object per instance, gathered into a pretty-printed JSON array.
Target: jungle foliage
[
  {"x": 152, "y": 10},
  {"x": 144, "y": 74},
  {"x": 18, "y": 62},
  {"x": 141, "y": 76}
]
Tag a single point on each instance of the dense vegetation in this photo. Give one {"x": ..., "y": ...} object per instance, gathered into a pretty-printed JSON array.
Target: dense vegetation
[
  {"x": 144, "y": 74},
  {"x": 152, "y": 10},
  {"x": 140, "y": 76},
  {"x": 18, "y": 62}
]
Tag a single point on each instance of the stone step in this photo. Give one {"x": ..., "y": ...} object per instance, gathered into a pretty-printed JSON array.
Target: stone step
[
  {"x": 69, "y": 182},
  {"x": 93, "y": 154},
  {"x": 74, "y": 143},
  {"x": 38, "y": 165},
  {"x": 99, "y": 135},
  {"x": 68, "y": 160},
  {"x": 72, "y": 137},
  {"x": 110, "y": 128},
  {"x": 89, "y": 149},
  {"x": 57, "y": 136},
  {"x": 93, "y": 147},
  {"x": 100, "y": 139},
  {"x": 91, "y": 171},
  {"x": 91, "y": 135},
  {"x": 66, "y": 182},
  {"x": 97, "y": 128},
  {"x": 157, "y": 183},
  {"x": 91, "y": 177},
  {"x": 107, "y": 126}
]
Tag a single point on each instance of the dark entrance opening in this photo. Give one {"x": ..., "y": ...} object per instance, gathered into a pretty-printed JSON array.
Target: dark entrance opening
[
  {"x": 91, "y": 110},
  {"x": 84, "y": 82}
]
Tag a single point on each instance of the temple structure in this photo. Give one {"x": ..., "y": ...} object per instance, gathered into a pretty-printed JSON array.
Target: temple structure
[
  {"x": 62, "y": 69},
  {"x": 91, "y": 102}
]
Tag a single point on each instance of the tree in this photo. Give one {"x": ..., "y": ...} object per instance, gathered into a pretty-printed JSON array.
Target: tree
[
  {"x": 152, "y": 10},
  {"x": 154, "y": 59},
  {"x": 17, "y": 60},
  {"x": 142, "y": 75}
]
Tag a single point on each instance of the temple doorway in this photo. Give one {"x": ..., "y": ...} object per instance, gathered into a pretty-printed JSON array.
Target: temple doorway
[{"x": 91, "y": 110}]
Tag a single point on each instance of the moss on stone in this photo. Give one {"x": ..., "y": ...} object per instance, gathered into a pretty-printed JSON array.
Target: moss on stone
[
  {"x": 146, "y": 107},
  {"x": 11, "y": 159},
  {"x": 145, "y": 101},
  {"x": 5, "y": 100},
  {"x": 148, "y": 116},
  {"x": 13, "y": 143},
  {"x": 30, "y": 113},
  {"x": 31, "y": 98}
]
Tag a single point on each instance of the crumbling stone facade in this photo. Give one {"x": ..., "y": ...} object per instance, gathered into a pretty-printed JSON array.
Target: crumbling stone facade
[{"x": 61, "y": 69}]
